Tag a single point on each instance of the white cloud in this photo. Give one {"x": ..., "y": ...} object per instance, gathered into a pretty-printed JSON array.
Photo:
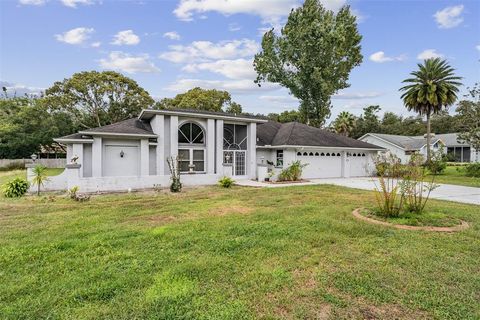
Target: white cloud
[
  {"x": 285, "y": 99},
  {"x": 128, "y": 63},
  {"x": 355, "y": 95},
  {"x": 32, "y": 2},
  {"x": 75, "y": 36},
  {"x": 125, "y": 37},
  {"x": 16, "y": 89},
  {"x": 96, "y": 44},
  {"x": 172, "y": 35},
  {"x": 478, "y": 47},
  {"x": 429, "y": 53},
  {"x": 205, "y": 50},
  {"x": 233, "y": 69},
  {"x": 74, "y": 3},
  {"x": 380, "y": 57},
  {"x": 234, "y": 27},
  {"x": 269, "y": 10},
  {"x": 233, "y": 86},
  {"x": 449, "y": 17}
]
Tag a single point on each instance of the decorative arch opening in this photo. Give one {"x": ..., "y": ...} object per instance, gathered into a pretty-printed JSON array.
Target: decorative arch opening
[
  {"x": 191, "y": 133},
  {"x": 191, "y": 147}
]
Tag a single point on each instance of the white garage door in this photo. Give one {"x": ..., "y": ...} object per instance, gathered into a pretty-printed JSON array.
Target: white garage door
[
  {"x": 121, "y": 160},
  {"x": 359, "y": 164},
  {"x": 321, "y": 164}
]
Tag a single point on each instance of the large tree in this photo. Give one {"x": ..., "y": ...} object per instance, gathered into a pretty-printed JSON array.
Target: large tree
[
  {"x": 469, "y": 118},
  {"x": 98, "y": 98},
  {"x": 286, "y": 116},
  {"x": 312, "y": 57},
  {"x": 26, "y": 124},
  {"x": 431, "y": 89},
  {"x": 201, "y": 99},
  {"x": 344, "y": 123}
]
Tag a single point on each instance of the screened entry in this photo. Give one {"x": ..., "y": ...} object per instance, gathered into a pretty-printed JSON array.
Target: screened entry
[{"x": 235, "y": 147}]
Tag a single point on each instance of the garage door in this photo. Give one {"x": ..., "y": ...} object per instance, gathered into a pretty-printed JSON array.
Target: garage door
[
  {"x": 321, "y": 164},
  {"x": 121, "y": 160},
  {"x": 359, "y": 164}
]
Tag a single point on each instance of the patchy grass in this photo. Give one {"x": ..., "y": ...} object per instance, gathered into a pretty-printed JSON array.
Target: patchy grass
[
  {"x": 428, "y": 218},
  {"x": 456, "y": 175},
  {"x": 240, "y": 253}
]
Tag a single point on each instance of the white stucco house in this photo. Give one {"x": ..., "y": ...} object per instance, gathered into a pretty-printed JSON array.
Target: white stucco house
[
  {"x": 132, "y": 154},
  {"x": 404, "y": 146}
]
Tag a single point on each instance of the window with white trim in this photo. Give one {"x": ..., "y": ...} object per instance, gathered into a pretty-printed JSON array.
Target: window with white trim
[
  {"x": 191, "y": 148},
  {"x": 279, "y": 162}
]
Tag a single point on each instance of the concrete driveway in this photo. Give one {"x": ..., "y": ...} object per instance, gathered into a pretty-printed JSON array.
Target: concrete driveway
[{"x": 444, "y": 192}]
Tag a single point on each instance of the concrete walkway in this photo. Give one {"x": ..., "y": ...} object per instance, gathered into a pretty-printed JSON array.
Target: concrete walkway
[{"x": 444, "y": 192}]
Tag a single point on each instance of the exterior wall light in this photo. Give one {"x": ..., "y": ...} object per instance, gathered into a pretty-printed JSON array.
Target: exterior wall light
[
  {"x": 122, "y": 154},
  {"x": 34, "y": 157}
]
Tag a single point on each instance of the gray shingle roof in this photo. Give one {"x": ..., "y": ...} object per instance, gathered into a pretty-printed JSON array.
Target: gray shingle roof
[
  {"x": 298, "y": 134},
  {"x": 130, "y": 126},
  {"x": 450, "y": 140},
  {"x": 73, "y": 136},
  {"x": 413, "y": 143}
]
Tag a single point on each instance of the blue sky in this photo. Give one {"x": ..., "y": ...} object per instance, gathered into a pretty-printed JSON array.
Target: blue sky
[{"x": 171, "y": 46}]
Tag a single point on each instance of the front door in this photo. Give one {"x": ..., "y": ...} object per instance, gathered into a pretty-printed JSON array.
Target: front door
[{"x": 237, "y": 158}]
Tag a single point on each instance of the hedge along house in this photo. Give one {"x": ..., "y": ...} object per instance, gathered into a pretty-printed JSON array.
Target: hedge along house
[{"x": 132, "y": 154}]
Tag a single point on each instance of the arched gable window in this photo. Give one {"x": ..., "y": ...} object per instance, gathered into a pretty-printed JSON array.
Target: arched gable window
[
  {"x": 191, "y": 133},
  {"x": 191, "y": 148}
]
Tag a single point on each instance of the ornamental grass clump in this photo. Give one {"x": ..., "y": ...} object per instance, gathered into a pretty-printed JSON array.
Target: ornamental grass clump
[
  {"x": 292, "y": 172},
  {"x": 39, "y": 177},
  {"x": 389, "y": 201}
]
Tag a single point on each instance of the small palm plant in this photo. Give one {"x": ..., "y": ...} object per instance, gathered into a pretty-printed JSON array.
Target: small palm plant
[
  {"x": 432, "y": 88},
  {"x": 39, "y": 177},
  {"x": 344, "y": 123}
]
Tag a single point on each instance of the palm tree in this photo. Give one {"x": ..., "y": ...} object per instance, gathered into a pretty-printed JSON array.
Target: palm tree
[
  {"x": 344, "y": 123},
  {"x": 432, "y": 88},
  {"x": 39, "y": 177}
]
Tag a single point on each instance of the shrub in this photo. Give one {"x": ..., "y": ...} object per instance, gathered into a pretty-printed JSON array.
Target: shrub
[
  {"x": 15, "y": 188},
  {"x": 292, "y": 172},
  {"x": 388, "y": 167},
  {"x": 72, "y": 192},
  {"x": 473, "y": 170},
  {"x": 176, "y": 185},
  {"x": 226, "y": 182},
  {"x": 438, "y": 162}
]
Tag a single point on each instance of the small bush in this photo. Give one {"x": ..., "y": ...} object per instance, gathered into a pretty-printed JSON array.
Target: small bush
[
  {"x": 72, "y": 192},
  {"x": 292, "y": 172},
  {"x": 438, "y": 162},
  {"x": 15, "y": 188},
  {"x": 473, "y": 170},
  {"x": 226, "y": 182}
]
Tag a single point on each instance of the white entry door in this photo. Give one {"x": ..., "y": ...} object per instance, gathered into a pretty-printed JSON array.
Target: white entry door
[{"x": 238, "y": 160}]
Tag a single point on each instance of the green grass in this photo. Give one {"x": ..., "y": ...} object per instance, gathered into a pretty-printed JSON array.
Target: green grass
[
  {"x": 456, "y": 175},
  {"x": 240, "y": 253},
  {"x": 427, "y": 218}
]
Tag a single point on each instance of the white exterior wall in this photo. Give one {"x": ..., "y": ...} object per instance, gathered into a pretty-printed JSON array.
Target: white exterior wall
[
  {"x": 252, "y": 150},
  {"x": 210, "y": 152},
  {"x": 219, "y": 147},
  {"x": 158, "y": 126},
  {"x": 87, "y": 160},
  {"x": 97, "y": 157},
  {"x": 399, "y": 152}
]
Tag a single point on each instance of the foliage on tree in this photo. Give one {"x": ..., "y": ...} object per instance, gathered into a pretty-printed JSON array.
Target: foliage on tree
[
  {"x": 286, "y": 116},
  {"x": 344, "y": 123},
  {"x": 312, "y": 57},
  {"x": 26, "y": 124},
  {"x": 201, "y": 99},
  {"x": 432, "y": 88},
  {"x": 469, "y": 118},
  {"x": 95, "y": 98}
]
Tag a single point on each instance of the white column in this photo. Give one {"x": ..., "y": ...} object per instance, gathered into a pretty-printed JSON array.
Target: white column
[
  {"x": 144, "y": 157},
  {"x": 210, "y": 146},
  {"x": 252, "y": 150},
  {"x": 77, "y": 150},
  {"x": 158, "y": 127},
  {"x": 345, "y": 165},
  {"x": 173, "y": 136},
  {"x": 219, "y": 147},
  {"x": 97, "y": 154}
]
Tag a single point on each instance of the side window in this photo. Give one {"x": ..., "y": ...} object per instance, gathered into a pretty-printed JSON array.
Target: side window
[{"x": 279, "y": 158}]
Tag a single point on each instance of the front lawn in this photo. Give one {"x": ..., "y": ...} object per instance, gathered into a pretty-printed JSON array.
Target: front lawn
[
  {"x": 238, "y": 253},
  {"x": 456, "y": 175}
]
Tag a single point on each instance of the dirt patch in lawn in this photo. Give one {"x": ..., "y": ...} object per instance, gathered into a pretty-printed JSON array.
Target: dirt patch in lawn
[
  {"x": 462, "y": 226},
  {"x": 232, "y": 209}
]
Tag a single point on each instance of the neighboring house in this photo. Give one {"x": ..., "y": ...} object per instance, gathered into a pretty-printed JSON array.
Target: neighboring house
[
  {"x": 404, "y": 146},
  {"x": 132, "y": 154}
]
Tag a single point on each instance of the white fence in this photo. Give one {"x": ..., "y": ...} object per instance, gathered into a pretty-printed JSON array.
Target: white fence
[{"x": 49, "y": 163}]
